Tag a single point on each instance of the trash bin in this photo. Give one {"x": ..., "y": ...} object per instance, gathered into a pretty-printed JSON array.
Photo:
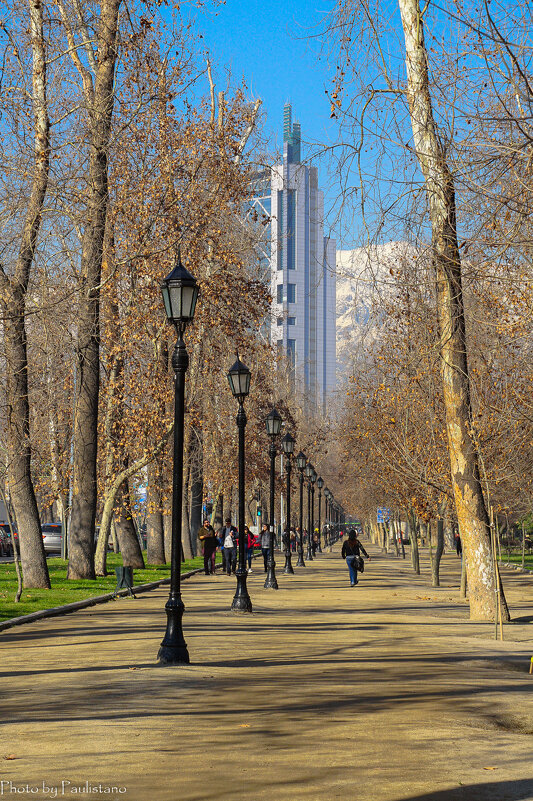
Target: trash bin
[{"x": 124, "y": 575}]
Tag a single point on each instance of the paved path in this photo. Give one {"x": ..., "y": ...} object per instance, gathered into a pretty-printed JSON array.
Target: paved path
[{"x": 381, "y": 692}]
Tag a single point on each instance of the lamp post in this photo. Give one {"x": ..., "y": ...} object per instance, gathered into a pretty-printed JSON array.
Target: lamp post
[
  {"x": 326, "y": 514},
  {"x": 273, "y": 427},
  {"x": 308, "y": 471},
  {"x": 287, "y": 443},
  {"x": 300, "y": 464},
  {"x": 313, "y": 481},
  {"x": 239, "y": 381},
  {"x": 320, "y": 484},
  {"x": 180, "y": 293}
]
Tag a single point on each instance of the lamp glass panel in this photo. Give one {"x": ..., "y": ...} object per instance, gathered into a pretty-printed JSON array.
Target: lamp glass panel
[
  {"x": 273, "y": 423},
  {"x": 166, "y": 301},
  {"x": 287, "y": 444},
  {"x": 301, "y": 460}
]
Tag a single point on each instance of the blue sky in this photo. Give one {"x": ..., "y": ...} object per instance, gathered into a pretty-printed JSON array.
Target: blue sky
[
  {"x": 267, "y": 42},
  {"x": 273, "y": 46}
]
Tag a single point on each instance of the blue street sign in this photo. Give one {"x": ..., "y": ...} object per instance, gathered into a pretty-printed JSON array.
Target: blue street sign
[{"x": 383, "y": 514}]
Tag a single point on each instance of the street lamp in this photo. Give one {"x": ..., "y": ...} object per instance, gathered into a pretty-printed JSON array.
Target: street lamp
[
  {"x": 239, "y": 381},
  {"x": 320, "y": 484},
  {"x": 308, "y": 472},
  {"x": 287, "y": 443},
  {"x": 273, "y": 427},
  {"x": 313, "y": 480},
  {"x": 326, "y": 515},
  {"x": 300, "y": 464},
  {"x": 180, "y": 292}
]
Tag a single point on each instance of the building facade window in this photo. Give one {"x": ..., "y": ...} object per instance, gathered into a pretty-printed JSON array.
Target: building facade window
[
  {"x": 291, "y": 320},
  {"x": 291, "y": 352},
  {"x": 291, "y": 228},
  {"x": 279, "y": 297},
  {"x": 291, "y": 293}
]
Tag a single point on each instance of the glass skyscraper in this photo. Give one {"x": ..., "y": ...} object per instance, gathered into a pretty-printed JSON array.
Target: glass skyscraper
[{"x": 302, "y": 268}]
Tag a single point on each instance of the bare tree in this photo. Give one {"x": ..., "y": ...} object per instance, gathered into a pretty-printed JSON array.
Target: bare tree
[
  {"x": 14, "y": 289},
  {"x": 96, "y": 68}
]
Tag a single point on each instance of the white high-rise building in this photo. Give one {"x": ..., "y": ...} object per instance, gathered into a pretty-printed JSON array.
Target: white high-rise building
[{"x": 302, "y": 268}]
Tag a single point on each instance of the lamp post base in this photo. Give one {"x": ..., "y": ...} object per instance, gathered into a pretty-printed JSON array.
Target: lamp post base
[
  {"x": 173, "y": 649},
  {"x": 271, "y": 582},
  {"x": 288, "y": 563},
  {"x": 300, "y": 562},
  {"x": 241, "y": 600}
]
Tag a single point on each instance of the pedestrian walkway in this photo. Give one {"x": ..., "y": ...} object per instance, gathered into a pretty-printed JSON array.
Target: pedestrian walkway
[{"x": 380, "y": 692}]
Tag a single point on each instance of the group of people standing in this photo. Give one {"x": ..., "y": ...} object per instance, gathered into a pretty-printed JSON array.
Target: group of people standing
[{"x": 225, "y": 540}]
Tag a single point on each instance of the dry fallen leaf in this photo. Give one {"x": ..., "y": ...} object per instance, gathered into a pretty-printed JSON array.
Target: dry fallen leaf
[
  {"x": 11, "y": 756},
  {"x": 243, "y": 726},
  {"x": 489, "y": 768}
]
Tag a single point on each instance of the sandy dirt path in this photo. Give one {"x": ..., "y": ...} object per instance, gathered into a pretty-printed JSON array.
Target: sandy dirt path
[{"x": 380, "y": 692}]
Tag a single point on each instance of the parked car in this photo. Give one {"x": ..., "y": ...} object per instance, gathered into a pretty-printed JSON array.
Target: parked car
[
  {"x": 52, "y": 536},
  {"x": 6, "y": 545}
]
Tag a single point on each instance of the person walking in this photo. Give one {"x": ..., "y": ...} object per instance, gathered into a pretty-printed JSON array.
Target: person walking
[
  {"x": 229, "y": 538},
  {"x": 249, "y": 545},
  {"x": 351, "y": 551},
  {"x": 264, "y": 542},
  {"x": 209, "y": 543}
]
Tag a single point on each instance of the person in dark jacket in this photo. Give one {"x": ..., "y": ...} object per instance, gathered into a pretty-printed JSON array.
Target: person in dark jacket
[
  {"x": 351, "y": 551},
  {"x": 209, "y": 542}
]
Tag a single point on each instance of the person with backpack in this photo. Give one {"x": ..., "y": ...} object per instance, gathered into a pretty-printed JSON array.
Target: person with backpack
[
  {"x": 229, "y": 539},
  {"x": 351, "y": 551}
]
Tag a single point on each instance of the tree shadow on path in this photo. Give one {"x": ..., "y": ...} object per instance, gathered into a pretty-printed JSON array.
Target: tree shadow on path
[{"x": 514, "y": 790}]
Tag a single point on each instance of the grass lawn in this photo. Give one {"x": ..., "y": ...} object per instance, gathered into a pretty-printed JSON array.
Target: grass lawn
[
  {"x": 516, "y": 559},
  {"x": 66, "y": 592}
]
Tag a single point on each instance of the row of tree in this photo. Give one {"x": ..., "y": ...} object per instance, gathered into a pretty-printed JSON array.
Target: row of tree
[
  {"x": 439, "y": 142},
  {"x": 117, "y": 151}
]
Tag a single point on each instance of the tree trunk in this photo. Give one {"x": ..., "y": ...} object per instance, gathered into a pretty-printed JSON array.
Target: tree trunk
[
  {"x": 463, "y": 588},
  {"x": 155, "y": 544},
  {"x": 126, "y": 531},
  {"x": 469, "y": 500},
  {"x": 197, "y": 484},
  {"x": 439, "y": 550},
  {"x": 111, "y": 495},
  {"x": 401, "y": 537},
  {"x": 14, "y": 291},
  {"x": 449, "y": 538},
  {"x": 167, "y": 535},
  {"x": 413, "y": 538},
  {"x": 100, "y": 101}
]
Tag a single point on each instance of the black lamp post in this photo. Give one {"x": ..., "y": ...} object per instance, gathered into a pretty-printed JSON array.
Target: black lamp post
[
  {"x": 313, "y": 481},
  {"x": 320, "y": 484},
  {"x": 326, "y": 515},
  {"x": 300, "y": 464},
  {"x": 180, "y": 292},
  {"x": 273, "y": 427},
  {"x": 308, "y": 472},
  {"x": 287, "y": 443},
  {"x": 239, "y": 381}
]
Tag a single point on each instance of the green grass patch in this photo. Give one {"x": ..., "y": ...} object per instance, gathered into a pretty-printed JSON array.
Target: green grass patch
[
  {"x": 66, "y": 592},
  {"x": 516, "y": 559}
]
